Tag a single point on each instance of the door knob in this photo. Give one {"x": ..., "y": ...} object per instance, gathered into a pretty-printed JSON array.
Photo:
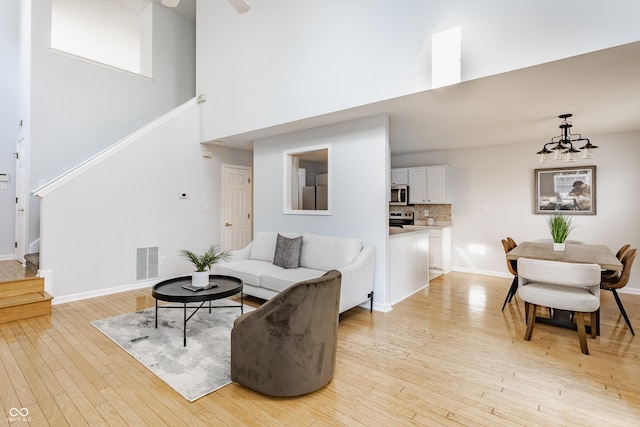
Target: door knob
[{"x": 226, "y": 224}]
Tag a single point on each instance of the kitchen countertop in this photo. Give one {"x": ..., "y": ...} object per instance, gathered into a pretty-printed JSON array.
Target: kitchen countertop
[
  {"x": 437, "y": 224},
  {"x": 393, "y": 231}
]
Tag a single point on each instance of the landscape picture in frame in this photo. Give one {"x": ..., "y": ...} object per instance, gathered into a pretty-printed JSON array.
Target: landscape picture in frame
[{"x": 568, "y": 190}]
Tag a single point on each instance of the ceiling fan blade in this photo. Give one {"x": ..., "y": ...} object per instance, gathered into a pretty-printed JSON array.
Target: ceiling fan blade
[
  {"x": 170, "y": 3},
  {"x": 241, "y": 6}
]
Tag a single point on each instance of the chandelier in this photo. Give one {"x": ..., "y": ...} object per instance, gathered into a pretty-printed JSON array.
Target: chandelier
[{"x": 561, "y": 147}]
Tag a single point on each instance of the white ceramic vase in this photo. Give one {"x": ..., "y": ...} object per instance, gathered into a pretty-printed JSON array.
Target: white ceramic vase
[
  {"x": 558, "y": 247},
  {"x": 199, "y": 279}
]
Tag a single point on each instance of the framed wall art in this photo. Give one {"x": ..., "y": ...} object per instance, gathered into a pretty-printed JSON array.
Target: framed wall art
[{"x": 568, "y": 190}]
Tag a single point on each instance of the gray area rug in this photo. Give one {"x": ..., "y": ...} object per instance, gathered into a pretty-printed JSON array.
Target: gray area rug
[{"x": 201, "y": 367}]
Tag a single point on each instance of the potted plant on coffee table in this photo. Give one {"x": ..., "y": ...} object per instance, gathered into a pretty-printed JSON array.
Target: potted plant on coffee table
[
  {"x": 203, "y": 263},
  {"x": 560, "y": 227}
]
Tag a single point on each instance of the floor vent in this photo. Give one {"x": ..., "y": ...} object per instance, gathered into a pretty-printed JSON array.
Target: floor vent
[{"x": 146, "y": 263}]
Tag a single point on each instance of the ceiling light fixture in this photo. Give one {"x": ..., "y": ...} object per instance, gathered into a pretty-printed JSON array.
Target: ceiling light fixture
[{"x": 561, "y": 147}]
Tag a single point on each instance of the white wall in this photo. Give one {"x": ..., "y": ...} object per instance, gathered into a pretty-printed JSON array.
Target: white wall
[
  {"x": 131, "y": 200},
  {"x": 286, "y": 59},
  {"x": 359, "y": 157},
  {"x": 501, "y": 179},
  {"x": 79, "y": 108},
  {"x": 9, "y": 117}
]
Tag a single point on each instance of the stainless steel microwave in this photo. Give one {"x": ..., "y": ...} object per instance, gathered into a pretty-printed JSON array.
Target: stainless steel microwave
[{"x": 399, "y": 195}]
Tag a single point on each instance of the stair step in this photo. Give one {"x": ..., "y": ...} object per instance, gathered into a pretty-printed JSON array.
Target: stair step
[
  {"x": 32, "y": 262},
  {"x": 22, "y": 286},
  {"x": 24, "y": 306}
]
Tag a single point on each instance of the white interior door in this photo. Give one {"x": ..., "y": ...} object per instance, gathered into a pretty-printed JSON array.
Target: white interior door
[
  {"x": 21, "y": 198},
  {"x": 237, "y": 206}
]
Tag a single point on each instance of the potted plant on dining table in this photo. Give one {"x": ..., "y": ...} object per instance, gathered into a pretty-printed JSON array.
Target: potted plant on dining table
[
  {"x": 203, "y": 263},
  {"x": 560, "y": 227}
]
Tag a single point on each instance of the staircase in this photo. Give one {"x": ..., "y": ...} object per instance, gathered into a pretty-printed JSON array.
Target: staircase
[
  {"x": 33, "y": 262},
  {"x": 22, "y": 294}
]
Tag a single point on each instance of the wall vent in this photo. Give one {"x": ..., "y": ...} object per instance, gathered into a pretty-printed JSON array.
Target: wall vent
[{"x": 146, "y": 263}]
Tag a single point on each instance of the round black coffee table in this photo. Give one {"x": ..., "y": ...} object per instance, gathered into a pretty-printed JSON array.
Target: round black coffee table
[{"x": 175, "y": 290}]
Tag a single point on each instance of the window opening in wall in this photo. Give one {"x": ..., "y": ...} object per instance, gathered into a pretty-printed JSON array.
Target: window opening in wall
[
  {"x": 446, "y": 54},
  {"x": 307, "y": 183},
  {"x": 112, "y": 32}
]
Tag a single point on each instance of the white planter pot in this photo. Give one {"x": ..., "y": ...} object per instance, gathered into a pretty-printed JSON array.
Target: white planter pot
[
  {"x": 199, "y": 279},
  {"x": 558, "y": 247}
]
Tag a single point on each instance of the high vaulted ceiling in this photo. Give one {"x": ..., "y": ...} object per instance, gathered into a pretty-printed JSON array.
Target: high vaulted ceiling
[{"x": 601, "y": 90}]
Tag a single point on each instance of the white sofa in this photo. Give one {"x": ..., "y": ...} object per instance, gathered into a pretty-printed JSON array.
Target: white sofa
[{"x": 319, "y": 254}]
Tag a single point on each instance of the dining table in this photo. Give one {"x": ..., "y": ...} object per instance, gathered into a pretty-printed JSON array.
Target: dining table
[{"x": 582, "y": 253}]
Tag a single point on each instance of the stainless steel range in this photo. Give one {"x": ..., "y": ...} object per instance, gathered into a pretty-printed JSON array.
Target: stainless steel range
[{"x": 400, "y": 219}]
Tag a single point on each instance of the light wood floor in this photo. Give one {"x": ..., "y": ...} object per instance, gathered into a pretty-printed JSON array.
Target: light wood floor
[{"x": 445, "y": 356}]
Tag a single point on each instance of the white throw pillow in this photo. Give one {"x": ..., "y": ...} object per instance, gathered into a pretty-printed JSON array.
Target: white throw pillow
[{"x": 263, "y": 246}]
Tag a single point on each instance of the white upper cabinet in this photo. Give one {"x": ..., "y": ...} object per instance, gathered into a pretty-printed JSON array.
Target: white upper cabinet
[
  {"x": 428, "y": 185},
  {"x": 399, "y": 176},
  {"x": 417, "y": 185},
  {"x": 437, "y": 184}
]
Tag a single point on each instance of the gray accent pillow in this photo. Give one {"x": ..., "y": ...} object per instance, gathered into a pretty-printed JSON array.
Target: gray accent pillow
[{"x": 288, "y": 252}]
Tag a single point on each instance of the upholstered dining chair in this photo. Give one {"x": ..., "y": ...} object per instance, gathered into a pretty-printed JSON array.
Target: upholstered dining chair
[
  {"x": 287, "y": 346},
  {"x": 620, "y": 280},
  {"x": 563, "y": 286},
  {"x": 512, "y": 266},
  {"x": 609, "y": 274}
]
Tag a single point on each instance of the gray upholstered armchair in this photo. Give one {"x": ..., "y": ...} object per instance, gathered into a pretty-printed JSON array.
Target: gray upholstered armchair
[{"x": 287, "y": 346}]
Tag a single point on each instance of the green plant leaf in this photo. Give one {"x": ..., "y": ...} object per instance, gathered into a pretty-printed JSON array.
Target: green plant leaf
[
  {"x": 560, "y": 227},
  {"x": 206, "y": 260}
]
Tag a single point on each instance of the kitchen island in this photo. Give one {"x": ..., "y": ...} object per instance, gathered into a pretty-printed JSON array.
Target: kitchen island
[{"x": 408, "y": 262}]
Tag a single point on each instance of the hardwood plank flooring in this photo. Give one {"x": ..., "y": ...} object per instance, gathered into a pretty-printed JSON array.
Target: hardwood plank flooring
[
  {"x": 13, "y": 270},
  {"x": 447, "y": 356}
]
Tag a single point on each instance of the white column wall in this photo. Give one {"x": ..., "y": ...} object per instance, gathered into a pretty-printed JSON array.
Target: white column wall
[{"x": 359, "y": 159}]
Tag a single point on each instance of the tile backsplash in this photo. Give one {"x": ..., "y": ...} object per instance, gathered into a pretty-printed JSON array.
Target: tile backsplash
[{"x": 437, "y": 212}]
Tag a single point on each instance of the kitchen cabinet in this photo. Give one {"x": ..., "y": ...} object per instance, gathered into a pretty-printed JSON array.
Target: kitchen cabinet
[
  {"x": 440, "y": 249},
  {"x": 417, "y": 185},
  {"x": 428, "y": 185},
  {"x": 437, "y": 184},
  {"x": 399, "y": 176}
]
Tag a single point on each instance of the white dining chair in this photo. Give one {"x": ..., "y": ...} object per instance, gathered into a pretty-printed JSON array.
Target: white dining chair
[{"x": 562, "y": 286}]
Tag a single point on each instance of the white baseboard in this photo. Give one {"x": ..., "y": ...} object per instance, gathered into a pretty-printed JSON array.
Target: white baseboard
[
  {"x": 7, "y": 257},
  {"x": 484, "y": 272},
  {"x": 103, "y": 292}
]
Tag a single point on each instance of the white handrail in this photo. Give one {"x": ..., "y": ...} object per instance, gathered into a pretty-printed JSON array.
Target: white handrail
[{"x": 78, "y": 170}]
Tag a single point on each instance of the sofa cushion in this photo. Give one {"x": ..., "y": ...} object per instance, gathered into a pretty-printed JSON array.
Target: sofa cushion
[
  {"x": 263, "y": 246},
  {"x": 328, "y": 252},
  {"x": 249, "y": 271},
  {"x": 287, "y": 251},
  {"x": 281, "y": 280}
]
